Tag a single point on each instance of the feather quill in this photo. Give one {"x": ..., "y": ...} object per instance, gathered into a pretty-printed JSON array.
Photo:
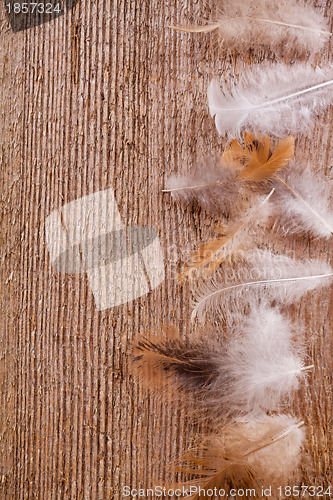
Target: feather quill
[
  {"x": 272, "y": 24},
  {"x": 255, "y": 371},
  {"x": 266, "y": 277},
  {"x": 212, "y": 254},
  {"x": 272, "y": 98},
  {"x": 252, "y": 454}
]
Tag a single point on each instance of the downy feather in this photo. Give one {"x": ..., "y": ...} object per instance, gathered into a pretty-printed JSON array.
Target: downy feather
[
  {"x": 263, "y": 452},
  {"x": 210, "y": 255},
  {"x": 214, "y": 186},
  {"x": 272, "y": 98},
  {"x": 256, "y": 370},
  {"x": 230, "y": 184},
  {"x": 303, "y": 198},
  {"x": 259, "y": 160},
  {"x": 277, "y": 25},
  {"x": 262, "y": 276},
  {"x": 305, "y": 204}
]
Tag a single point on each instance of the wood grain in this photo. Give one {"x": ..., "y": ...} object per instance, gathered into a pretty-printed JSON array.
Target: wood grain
[{"x": 108, "y": 96}]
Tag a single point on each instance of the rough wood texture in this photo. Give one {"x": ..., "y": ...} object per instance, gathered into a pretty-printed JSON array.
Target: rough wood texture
[{"x": 107, "y": 96}]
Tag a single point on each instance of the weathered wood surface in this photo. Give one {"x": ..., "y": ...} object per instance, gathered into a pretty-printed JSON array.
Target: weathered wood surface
[{"x": 108, "y": 96}]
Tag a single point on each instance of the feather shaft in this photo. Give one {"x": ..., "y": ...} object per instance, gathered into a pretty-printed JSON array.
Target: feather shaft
[
  {"x": 289, "y": 431},
  {"x": 271, "y": 98},
  {"x": 280, "y": 99},
  {"x": 212, "y": 27},
  {"x": 210, "y": 297},
  {"x": 290, "y": 25},
  {"x": 186, "y": 188},
  {"x": 196, "y": 29},
  {"x": 307, "y": 368}
]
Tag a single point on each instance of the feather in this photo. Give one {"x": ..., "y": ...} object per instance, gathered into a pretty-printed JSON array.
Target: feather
[
  {"x": 258, "y": 161},
  {"x": 304, "y": 199},
  {"x": 214, "y": 186},
  {"x": 302, "y": 204},
  {"x": 263, "y": 276},
  {"x": 252, "y": 454},
  {"x": 212, "y": 254},
  {"x": 186, "y": 366},
  {"x": 255, "y": 371},
  {"x": 264, "y": 361},
  {"x": 305, "y": 203},
  {"x": 272, "y": 98},
  {"x": 271, "y": 24},
  {"x": 236, "y": 177}
]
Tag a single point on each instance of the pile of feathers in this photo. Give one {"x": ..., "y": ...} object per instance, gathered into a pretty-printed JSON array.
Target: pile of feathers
[{"x": 241, "y": 381}]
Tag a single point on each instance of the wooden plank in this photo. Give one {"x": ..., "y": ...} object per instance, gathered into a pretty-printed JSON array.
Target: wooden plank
[
  {"x": 12, "y": 134},
  {"x": 108, "y": 96}
]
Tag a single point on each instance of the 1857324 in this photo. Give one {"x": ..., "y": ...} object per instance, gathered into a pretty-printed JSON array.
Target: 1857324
[
  {"x": 33, "y": 7},
  {"x": 305, "y": 492},
  {"x": 24, "y": 14}
]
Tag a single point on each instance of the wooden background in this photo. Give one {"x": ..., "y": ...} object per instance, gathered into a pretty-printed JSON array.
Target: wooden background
[{"x": 108, "y": 96}]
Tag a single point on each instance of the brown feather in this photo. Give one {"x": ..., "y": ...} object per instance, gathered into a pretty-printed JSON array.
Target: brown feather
[
  {"x": 242, "y": 455},
  {"x": 258, "y": 161},
  {"x": 210, "y": 255},
  {"x": 190, "y": 366}
]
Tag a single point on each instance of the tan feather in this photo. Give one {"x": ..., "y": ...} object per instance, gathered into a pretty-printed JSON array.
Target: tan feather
[
  {"x": 259, "y": 161},
  {"x": 210, "y": 255},
  {"x": 252, "y": 454},
  {"x": 153, "y": 355}
]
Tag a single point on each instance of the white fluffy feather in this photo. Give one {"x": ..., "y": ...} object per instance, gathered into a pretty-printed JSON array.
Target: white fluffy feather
[
  {"x": 262, "y": 276},
  {"x": 274, "y": 24},
  {"x": 255, "y": 371},
  {"x": 214, "y": 186},
  {"x": 263, "y": 362},
  {"x": 271, "y": 98},
  {"x": 309, "y": 209},
  {"x": 282, "y": 456},
  {"x": 253, "y": 454}
]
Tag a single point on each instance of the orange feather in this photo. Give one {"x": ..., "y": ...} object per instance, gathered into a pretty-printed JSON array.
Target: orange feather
[
  {"x": 259, "y": 160},
  {"x": 212, "y": 254}
]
